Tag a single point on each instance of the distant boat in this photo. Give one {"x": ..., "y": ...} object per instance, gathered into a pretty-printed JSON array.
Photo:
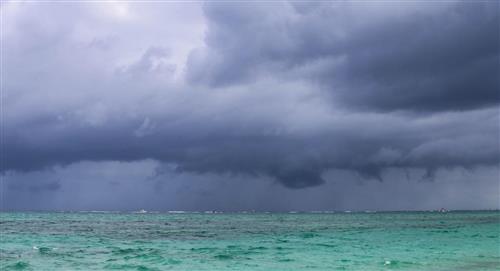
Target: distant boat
[
  {"x": 443, "y": 210},
  {"x": 141, "y": 211},
  {"x": 176, "y": 212}
]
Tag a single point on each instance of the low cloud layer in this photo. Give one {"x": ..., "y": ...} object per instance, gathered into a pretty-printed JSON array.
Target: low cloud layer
[
  {"x": 281, "y": 92},
  {"x": 137, "y": 185}
]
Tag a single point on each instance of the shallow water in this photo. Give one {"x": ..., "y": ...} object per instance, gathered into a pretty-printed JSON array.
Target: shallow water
[{"x": 198, "y": 241}]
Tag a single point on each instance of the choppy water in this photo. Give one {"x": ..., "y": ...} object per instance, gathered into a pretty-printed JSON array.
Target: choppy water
[{"x": 338, "y": 241}]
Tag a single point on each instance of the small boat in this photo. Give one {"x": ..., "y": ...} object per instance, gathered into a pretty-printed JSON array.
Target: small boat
[{"x": 141, "y": 211}]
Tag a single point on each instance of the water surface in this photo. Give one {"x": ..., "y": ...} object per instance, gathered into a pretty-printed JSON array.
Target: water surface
[{"x": 253, "y": 241}]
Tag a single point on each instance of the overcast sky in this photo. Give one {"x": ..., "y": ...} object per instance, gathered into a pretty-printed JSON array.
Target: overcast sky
[{"x": 237, "y": 106}]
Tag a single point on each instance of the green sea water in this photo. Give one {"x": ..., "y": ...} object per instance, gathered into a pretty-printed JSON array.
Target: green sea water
[{"x": 253, "y": 241}]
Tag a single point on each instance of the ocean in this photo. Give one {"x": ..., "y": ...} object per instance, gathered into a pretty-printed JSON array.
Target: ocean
[{"x": 250, "y": 241}]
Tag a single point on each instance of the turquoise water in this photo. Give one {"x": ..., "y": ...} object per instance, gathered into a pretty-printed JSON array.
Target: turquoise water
[{"x": 300, "y": 241}]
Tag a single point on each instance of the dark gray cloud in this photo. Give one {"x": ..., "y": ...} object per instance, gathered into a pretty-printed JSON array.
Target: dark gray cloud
[
  {"x": 384, "y": 56},
  {"x": 294, "y": 158},
  {"x": 281, "y": 92}
]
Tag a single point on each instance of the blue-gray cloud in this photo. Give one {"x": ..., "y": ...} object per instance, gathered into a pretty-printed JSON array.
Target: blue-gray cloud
[
  {"x": 284, "y": 91},
  {"x": 423, "y": 57}
]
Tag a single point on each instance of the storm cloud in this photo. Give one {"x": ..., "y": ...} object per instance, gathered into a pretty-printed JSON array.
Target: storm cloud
[
  {"x": 375, "y": 56},
  {"x": 284, "y": 92}
]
